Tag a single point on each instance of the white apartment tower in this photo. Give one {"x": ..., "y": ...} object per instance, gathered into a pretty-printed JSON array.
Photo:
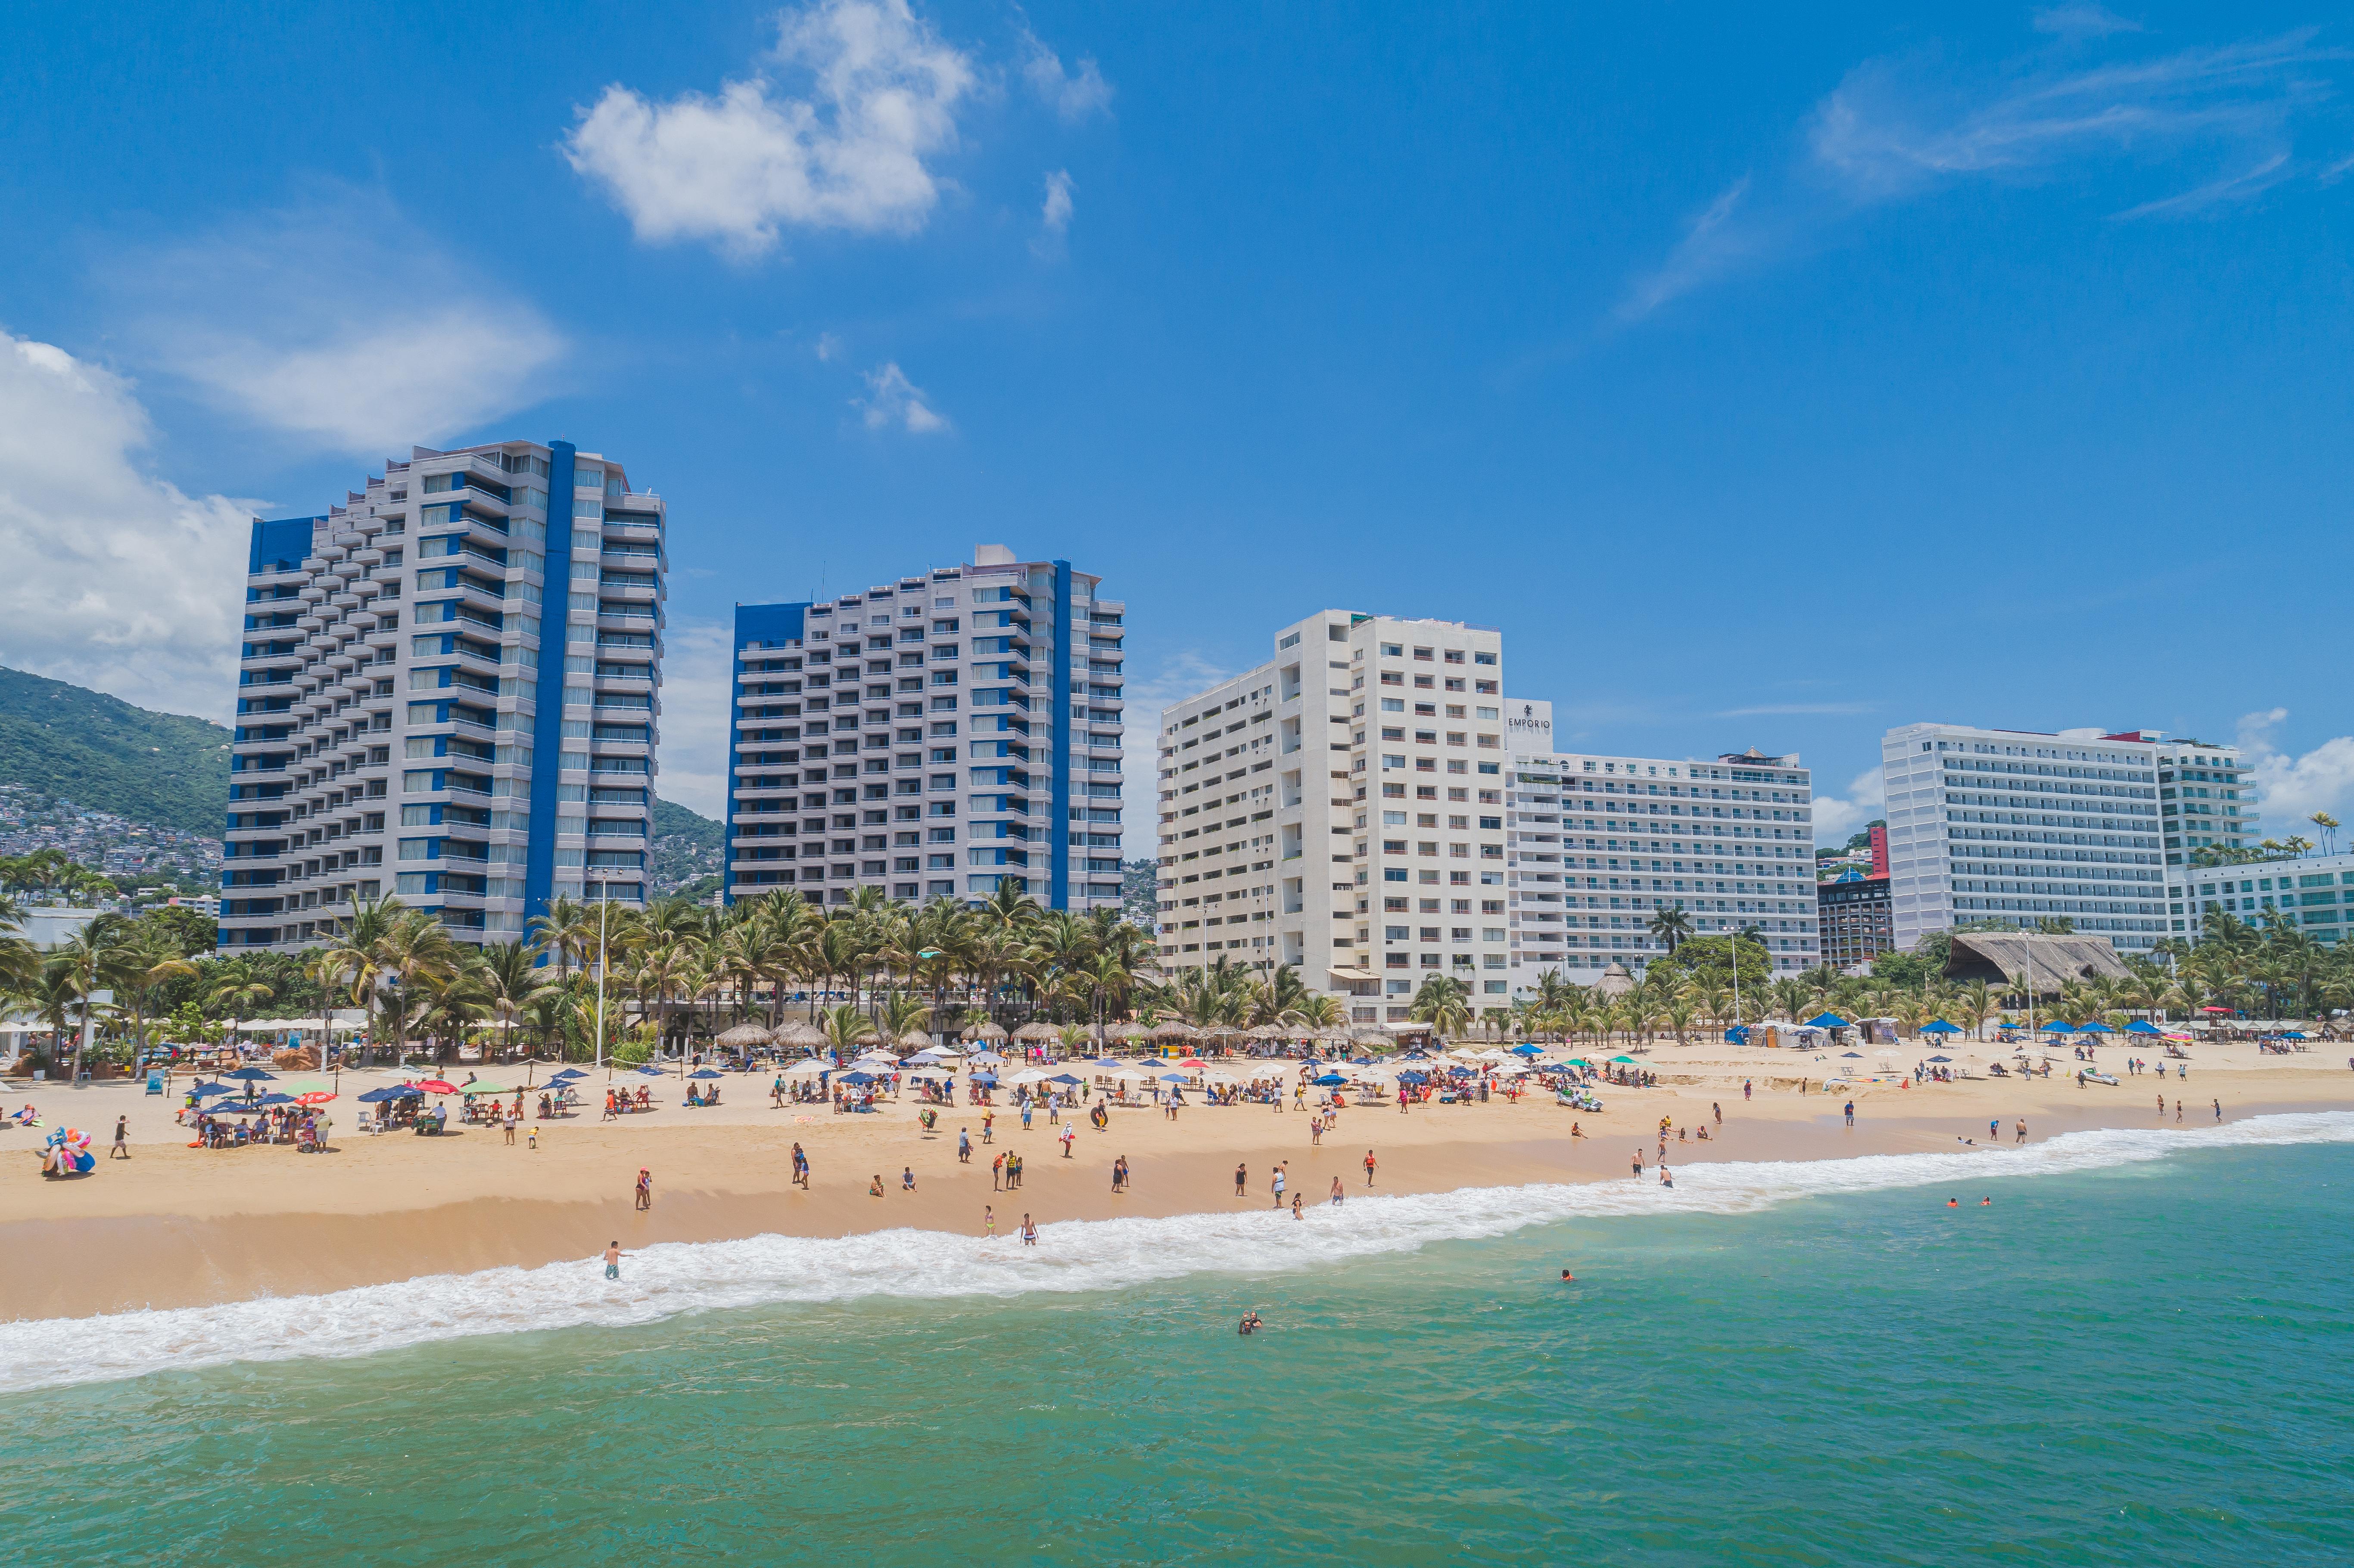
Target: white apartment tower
[
  {"x": 937, "y": 735},
  {"x": 1596, "y": 845},
  {"x": 448, "y": 689},
  {"x": 1340, "y": 808},
  {"x": 2016, "y": 827}
]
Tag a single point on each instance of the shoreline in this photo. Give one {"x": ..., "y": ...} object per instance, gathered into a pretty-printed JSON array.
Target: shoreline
[{"x": 176, "y": 1227}]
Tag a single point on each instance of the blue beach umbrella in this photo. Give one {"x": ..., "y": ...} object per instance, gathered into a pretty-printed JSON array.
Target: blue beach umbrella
[
  {"x": 1413, "y": 1078},
  {"x": 1828, "y": 1020},
  {"x": 653, "y": 1071},
  {"x": 378, "y": 1097},
  {"x": 2143, "y": 1026},
  {"x": 704, "y": 1073},
  {"x": 2057, "y": 1026},
  {"x": 1528, "y": 1050},
  {"x": 2097, "y": 1027},
  {"x": 1939, "y": 1027},
  {"x": 1941, "y": 1058},
  {"x": 1330, "y": 1080},
  {"x": 203, "y": 1089},
  {"x": 1063, "y": 1079},
  {"x": 858, "y": 1078},
  {"x": 249, "y": 1074},
  {"x": 982, "y": 1078}
]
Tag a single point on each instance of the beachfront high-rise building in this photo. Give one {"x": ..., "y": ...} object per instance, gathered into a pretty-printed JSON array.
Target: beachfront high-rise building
[
  {"x": 449, "y": 691},
  {"x": 1597, "y": 845},
  {"x": 940, "y": 734},
  {"x": 1340, "y": 808},
  {"x": 2014, "y": 827},
  {"x": 2314, "y": 892}
]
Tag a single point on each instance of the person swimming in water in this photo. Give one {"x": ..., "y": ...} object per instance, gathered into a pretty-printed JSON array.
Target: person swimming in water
[{"x": 1249, "y": 1325}]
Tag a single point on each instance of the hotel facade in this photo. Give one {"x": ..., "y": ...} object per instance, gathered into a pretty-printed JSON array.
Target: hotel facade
[
  {"x": 448, "y": 689},
  {"x": 2016, "y": 827},
  {"x": 1340, "y": 809},
  {"x": 1597, "y": 845},
  {"x": 941, "y": 733}
]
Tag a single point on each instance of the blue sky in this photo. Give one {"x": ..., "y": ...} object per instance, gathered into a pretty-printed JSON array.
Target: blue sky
[{"x": 1768, "y": 381}]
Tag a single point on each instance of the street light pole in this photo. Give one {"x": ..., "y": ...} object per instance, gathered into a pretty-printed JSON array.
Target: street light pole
[{"x": 603, "y": 907}]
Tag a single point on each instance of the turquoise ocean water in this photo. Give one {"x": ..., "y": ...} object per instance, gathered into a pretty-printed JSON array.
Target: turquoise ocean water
[{"x": 2141, "y": 1354}]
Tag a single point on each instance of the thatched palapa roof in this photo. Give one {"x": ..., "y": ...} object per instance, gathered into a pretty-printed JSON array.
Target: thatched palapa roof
[
  {"x": 745, "y": 1034},
  {"x": 1999, "y": 957}
]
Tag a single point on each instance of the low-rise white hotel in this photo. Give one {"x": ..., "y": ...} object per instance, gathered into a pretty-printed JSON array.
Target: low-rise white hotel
[
  {"x": 1597, "y": 845},
  {"x": 2016, "y": 826},
  {"x": 1340, "y": 808}
]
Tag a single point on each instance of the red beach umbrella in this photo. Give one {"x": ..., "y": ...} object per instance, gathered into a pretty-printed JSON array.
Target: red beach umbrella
[
  {"x": 437, "y": 1086},
  {"x": 316, "y": 1097}
]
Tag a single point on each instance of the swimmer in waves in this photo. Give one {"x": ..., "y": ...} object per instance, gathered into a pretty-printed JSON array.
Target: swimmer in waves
[{"x": 1249, "y": 1325}]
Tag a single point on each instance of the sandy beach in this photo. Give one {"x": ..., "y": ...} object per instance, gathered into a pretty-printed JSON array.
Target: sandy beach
[{"x": 175, "y": 1227}]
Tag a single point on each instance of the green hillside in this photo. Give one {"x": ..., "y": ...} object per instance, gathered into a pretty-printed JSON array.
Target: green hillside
[
  {"x": 671, "y": 820},
  {"x": 100, "y": 752}
]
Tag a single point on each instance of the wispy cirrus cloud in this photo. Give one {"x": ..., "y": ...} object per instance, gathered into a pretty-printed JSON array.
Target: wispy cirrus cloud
[
  {"x": 1905, "y": 128},
  {"x": 336, "y": 320},
  {"x": 894, "y": 401},
  {"x": 1072, "y": 95}
]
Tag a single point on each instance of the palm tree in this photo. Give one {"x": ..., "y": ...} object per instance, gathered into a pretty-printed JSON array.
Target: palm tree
[
  {"x": 239, "y": 990},
  {"x": 1441, "y": 1002},
  {"x": 845, "y": 1026},
  {"x": 414, "y": 947},
  {"x": 1671, "y": 926},
  {"x": 90, "y": 962},
  {"x": 2328, "y": 826},
  {"x": 148, "y": 962}
]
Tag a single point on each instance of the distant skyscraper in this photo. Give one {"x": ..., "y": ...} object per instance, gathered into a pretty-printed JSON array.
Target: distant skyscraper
[
  {"x": 449, "y": 691},
  {"x": 940, "y": 734},
  {"x": 2016, "y": 827}
]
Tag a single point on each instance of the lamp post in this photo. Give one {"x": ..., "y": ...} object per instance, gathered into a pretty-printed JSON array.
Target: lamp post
[{"x": 604, "y": 906}]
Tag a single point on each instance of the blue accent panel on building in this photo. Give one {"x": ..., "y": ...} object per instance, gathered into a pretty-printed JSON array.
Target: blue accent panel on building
[
  {"x": 547, "y": 725},
  {"x": 280, "y": 547},
  {"x": 1059, "y": 895},
  {"x": 763, "y": 623}
]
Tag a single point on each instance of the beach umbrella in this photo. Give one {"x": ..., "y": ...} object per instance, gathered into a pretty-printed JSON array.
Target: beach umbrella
[
  {"x": 1941, "y": 1058},
  {"x": 653, "y": 1072},
  {"x": 249, "y": 1074},
  {"x": 2097, "y": 1027},
  {"x": 1193, "y": 1062},
  {"x": 745, "y": 1035},
  {"x": 316, "y": 1097},
  {"x": 1329, "y": 1080},
  {"x": 1850, "y": 1056},
  {"x": 1528, "y": 1050},
  {"x": 1064, "y": 1079},
  {"x": 401, "y": 1092},
  {"x": 1828, "y": 1020},
  {"x": 1181, "y": 1079},
  {"x": 704, "y": 1072},
  {"x": 203, "y": 1089},
  {"x": 1939, "y": 1026},
  {"x": 984, "y": 1079},
  {"x": 858, "y": 1078},
  {"x": 2057, "y": 1026},
  {"x": 2143, "y": 1026},
  {"x": 266, "y": 1101},
  {"x": 439, "y": 1087},
  {"x": 1628, "y": 1060}
]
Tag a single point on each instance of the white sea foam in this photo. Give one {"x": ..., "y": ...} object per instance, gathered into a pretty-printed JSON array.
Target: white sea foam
[{"x": 669, "y": 1279}]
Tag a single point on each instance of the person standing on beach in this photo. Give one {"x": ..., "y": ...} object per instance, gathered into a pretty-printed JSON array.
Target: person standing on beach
[
  {"x": 1070, "y": 1136},
  {"x": 2219, "y": 1110},
  {"x": 1850, "y": 1113},
  {"x": 1369, "y": 1166},
  {"x": 1744, "y": 1088},
  {"x": 1337, "y": 1194},
  {"x": 1295, "y": 1208},
  {"x": 121, "y": 1150},
  {"x": 964, "y": 1146},
  {"x": 1029, "y": 1232},
  {"x": 997, "y": 1173},
  {"x": 1242, "y": 1179},
  {"x": 511, "y": 1119},
  {"x": 1277, "y": 1185},
  {"x": 645, "y": 1189},
  {"x": 2178, "y": 1108},
  {"x": 1638, "y": 1165},
  {"x": 988, "y": 1222},
  {"x": 2022, "y": 1131},
  {"x": 1719, "y": 1110},
  {"x": 800, "y": 1168},
  {"x": 613, "y": 1255}
]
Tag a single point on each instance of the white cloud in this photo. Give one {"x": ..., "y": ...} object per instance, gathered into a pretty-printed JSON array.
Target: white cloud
[
  {"x": 115, "y": 579},
  {"x": 339, "y": 321},
  {"x": 892, "y": 400},
  {"x": 697, "y": 703},
  {"x": 1073, "y": 97},
  {"x": 1056, "y": 215},
  {"x": 732, "y": 169},
  {"x": 1836, "y": 818},
  {"x": 2291, "y": 788}
]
